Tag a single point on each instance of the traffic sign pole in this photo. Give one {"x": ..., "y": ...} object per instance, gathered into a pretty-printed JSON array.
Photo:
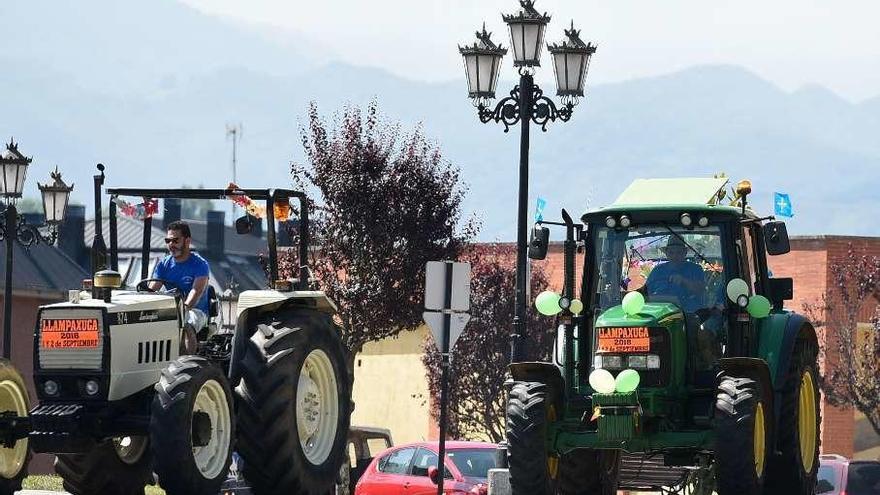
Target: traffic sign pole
[{"x": 444, "y": 379}]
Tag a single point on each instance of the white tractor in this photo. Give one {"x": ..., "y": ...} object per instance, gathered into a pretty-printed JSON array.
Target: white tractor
[{"x": 121, "y": 407}]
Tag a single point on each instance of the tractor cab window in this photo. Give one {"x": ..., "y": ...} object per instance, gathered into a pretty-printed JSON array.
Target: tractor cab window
[{"x": 675, "y": 265}]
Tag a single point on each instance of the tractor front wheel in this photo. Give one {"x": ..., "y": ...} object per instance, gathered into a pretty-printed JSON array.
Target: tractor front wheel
[
  {"x": 532, "y": 469},
  {"x": 741, "y": 445},
  {"x": 119, "y": 466},
  {"x": 794, "y": 470},
  {"x": 14, "y": 399},
  {"x": 192, "y": 427},
  {"x": 589, "y": 472}
]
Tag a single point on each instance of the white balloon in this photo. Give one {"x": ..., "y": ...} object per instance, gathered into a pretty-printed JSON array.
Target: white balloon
[{"x": 602, "y": 381}]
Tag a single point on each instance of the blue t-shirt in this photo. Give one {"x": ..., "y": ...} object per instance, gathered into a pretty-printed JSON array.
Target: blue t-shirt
[
  {"x": 184, "y": 274},
  {"x": 659, "y": 284}
]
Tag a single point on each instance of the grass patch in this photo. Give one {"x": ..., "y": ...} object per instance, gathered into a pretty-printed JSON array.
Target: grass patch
[{"x": 53, "y": 483}]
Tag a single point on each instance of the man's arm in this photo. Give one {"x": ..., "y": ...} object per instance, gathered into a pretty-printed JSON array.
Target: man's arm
[
  {"x": 199, "y": 286},
  {"x": 157, "y": 273}
]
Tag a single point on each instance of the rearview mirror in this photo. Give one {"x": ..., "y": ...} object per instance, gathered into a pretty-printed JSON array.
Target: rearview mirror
[
  {"x": 539, "y": 242},
  {"x": 776, "y": 238},
  {"x": 243, "y": 225},
  {"x": 434, "y": 474}
]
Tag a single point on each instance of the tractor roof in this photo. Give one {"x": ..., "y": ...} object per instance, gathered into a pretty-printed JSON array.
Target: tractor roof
[{"x": 692, "y": 194}]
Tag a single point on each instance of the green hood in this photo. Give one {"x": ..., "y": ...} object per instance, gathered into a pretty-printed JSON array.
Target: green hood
[{"x": 651, "y": 315}]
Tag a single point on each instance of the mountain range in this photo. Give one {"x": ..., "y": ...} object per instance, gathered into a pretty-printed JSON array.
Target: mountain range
[{"x": 147, "y": 88}]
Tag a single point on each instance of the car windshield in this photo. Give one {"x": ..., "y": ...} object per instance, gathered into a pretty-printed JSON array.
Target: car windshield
[
  {"x": 683, "y": 266},
  {"x": 473, "y": 463}
]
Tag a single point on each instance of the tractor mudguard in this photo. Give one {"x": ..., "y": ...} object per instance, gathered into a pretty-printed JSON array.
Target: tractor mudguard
[
  {"x": 547, "y": 373},
  {"x": 778, "y": 333},
  {"x": 253, "y": 304},
  {"x": 758, "y": 370}
]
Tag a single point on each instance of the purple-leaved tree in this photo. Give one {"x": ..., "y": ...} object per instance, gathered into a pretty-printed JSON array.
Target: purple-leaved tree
[
  {"x": 480, "y": 357},
  {"x": 853, "y": 298},
  {"x": 385, "y": 203}
]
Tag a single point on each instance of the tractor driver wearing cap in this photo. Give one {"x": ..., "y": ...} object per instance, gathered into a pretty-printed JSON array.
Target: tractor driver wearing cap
[
  {"x": 187, "y": 271},
  {"x": 678, "y": 278}
]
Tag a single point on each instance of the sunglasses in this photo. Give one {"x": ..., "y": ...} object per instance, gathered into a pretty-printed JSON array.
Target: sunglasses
[{"x": 174, "y": 240}]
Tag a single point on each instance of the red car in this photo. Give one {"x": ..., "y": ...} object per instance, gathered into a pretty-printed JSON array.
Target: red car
[
  {"x": 412, "y": 470},
  {"x": 841, "y": 476}
]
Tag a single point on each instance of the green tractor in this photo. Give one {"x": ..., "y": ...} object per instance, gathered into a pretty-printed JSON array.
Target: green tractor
[{"x": 677, "y": 370}]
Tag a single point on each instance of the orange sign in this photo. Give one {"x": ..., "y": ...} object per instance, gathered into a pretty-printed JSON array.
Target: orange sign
[
  {"x": 69, "y": 334},
  {"x": 621, "y": 339}
]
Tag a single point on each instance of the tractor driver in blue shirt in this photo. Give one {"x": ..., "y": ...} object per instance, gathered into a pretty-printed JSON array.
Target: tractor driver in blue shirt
[
  {"x": 188, "y": 272},
  {"x": 678, "y": 278}
]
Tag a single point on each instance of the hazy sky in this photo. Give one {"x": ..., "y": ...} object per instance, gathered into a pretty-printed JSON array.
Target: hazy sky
[{"x": 790, "y": 42}]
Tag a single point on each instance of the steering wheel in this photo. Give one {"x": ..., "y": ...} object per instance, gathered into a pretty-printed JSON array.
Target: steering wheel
[{"x": 144, "y": 285}]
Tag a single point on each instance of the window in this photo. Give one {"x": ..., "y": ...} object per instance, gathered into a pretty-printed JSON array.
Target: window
[
  {"x": 863, "y": 478},
  {"x": 396, "y": 462},
  {"x": 376, "y": 445},
  {"x": 750, "y": 259},
  {"x": 473, "y": 463},
  {"x": 425, "y": 459}
]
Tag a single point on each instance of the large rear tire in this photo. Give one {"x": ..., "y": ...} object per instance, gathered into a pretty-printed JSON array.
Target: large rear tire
[
  {"x": 589, "y": 472},
  {"x": 294, "y": 404},
  {"x": 532, "y": 470},
  {"x": 192, "y": 427},
  {"x": 120, "y": 466},
  {"x": 741, "y": 446},
  {"x": 794, "y": 470},
  {"x": 13, "y": 399}
]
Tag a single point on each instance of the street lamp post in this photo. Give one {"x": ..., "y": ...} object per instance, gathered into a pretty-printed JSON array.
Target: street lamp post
[
  {"x": 525, "y": 104},
  {"x": 13, "y": 168}
]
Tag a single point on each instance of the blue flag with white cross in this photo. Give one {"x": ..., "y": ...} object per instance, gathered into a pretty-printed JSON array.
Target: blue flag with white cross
[{"x": 782, "y": 205}]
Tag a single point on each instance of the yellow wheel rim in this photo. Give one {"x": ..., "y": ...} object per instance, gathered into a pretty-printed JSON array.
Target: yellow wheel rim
[
  {"x": 13, "y": 399},
  {"x": 759, "y": 441},
  {"x": 806, "y": 415},
  {"x": 552, "y": 461}
]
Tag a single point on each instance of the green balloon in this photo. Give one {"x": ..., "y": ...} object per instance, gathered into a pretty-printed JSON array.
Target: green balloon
[
  {"x": 602, "y": 381},
  {"x": 547, "y": 303},
  {"x": 627, "y": 381},
  {"x": 633, "y": 302},
  {"x": 576, "y": 306},
  {"x": 759, "y": 306}
]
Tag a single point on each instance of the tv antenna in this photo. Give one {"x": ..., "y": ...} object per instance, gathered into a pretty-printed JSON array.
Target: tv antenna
[{"x": 236, "y": 131}]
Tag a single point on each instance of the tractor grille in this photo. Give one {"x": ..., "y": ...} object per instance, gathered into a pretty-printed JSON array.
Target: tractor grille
[
  {"x": 70, "y": 339},
  {"x": 660, "y": 345}
]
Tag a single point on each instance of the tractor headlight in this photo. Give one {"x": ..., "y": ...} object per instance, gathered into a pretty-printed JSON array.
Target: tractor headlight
[
  {"x": 638, "y": 362},
  {"x": 50, "y": 387},
  {"x": 625, "y": 221},
  {"x": 92, "y": 387},
  {"x": 653, "y": 362},
  {"x": 610, "y": 222},
  {"x": 612, "y": 362},
  {"x": 686, "y": 219}
]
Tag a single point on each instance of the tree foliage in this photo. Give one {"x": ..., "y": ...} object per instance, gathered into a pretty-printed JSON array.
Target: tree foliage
[
  {"x": 853, "y": 298},
  {"x": 387, "y": 203},
  {"x": 482, "y": 353}
]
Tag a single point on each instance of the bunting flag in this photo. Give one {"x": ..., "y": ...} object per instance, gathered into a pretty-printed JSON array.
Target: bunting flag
[
  {"x": 139, "y": 211},
  {"x": 250, "y": 206}
]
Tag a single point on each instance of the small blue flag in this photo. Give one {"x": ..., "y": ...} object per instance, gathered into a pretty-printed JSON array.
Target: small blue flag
[
  {"x": 539, "y": 209},
  {"x": 782, "y": 205}
]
